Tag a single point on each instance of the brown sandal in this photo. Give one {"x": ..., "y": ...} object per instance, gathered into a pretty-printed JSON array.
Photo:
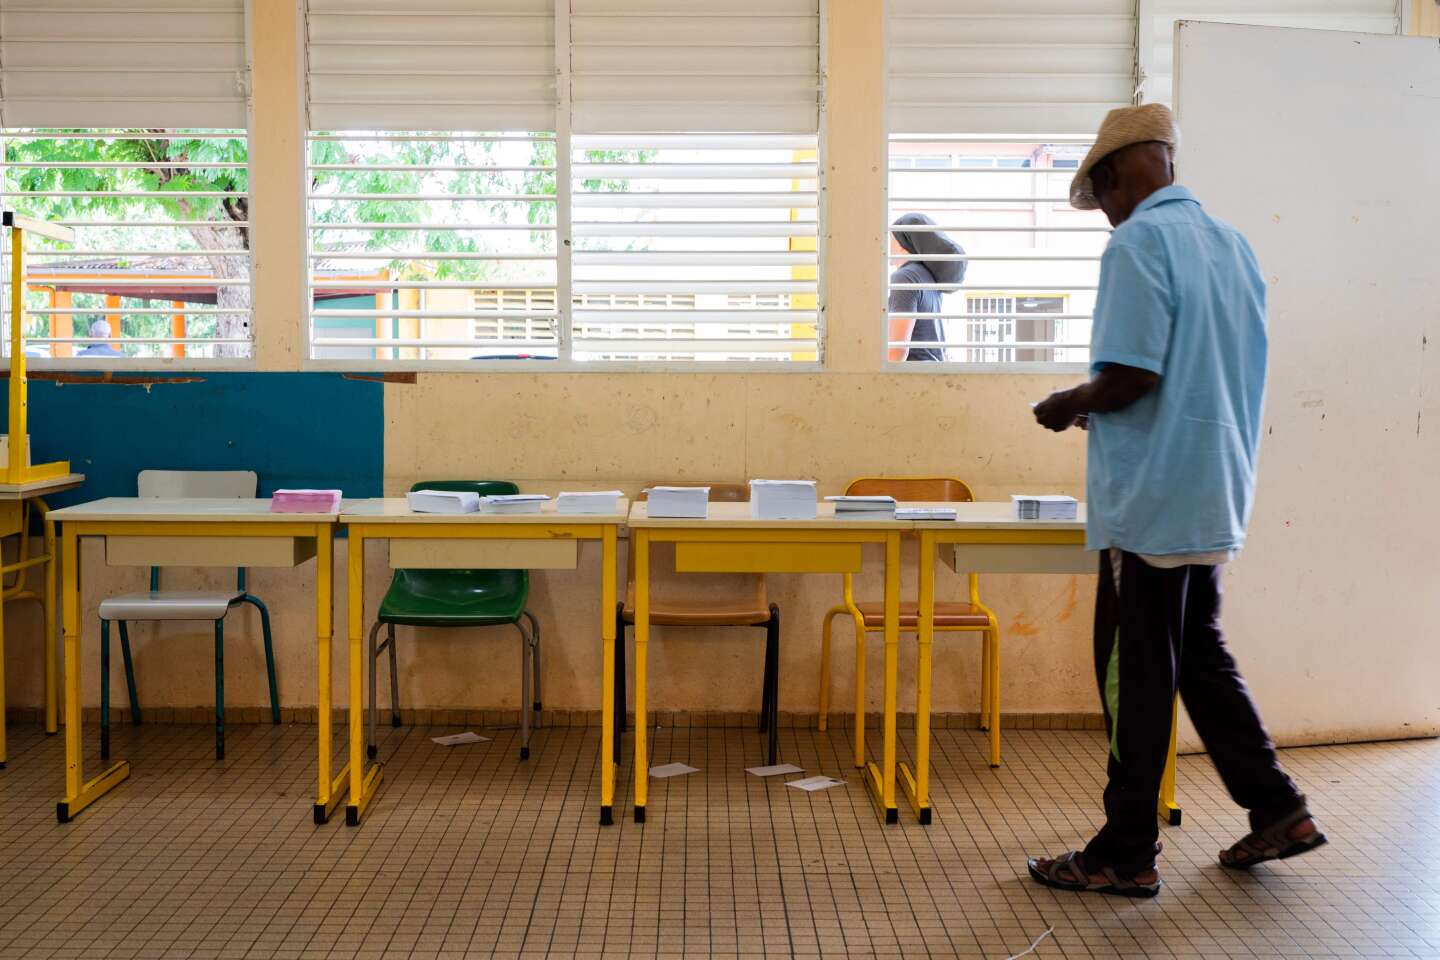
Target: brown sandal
[
  {"x": 1272, "y": 843},
  {"x": 1067, "y": 873}
]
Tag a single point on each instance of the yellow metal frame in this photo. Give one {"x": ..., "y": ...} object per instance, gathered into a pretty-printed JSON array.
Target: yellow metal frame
[
  {"x": 79, "y": 792},
  {"x": 18, "y": 468},
  {"x": 989, "y": 671},
  {"x": 362, "y": 789},
  {"x": 917, "y": 784},
  {"x": 15, "y": 520},
  {"x": 769, "y": 549}
]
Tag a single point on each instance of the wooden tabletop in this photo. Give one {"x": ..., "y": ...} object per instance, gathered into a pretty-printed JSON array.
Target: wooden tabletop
[
  {"x": 39, "y": 488},
  {"x": 397, "y": 510},
  {"x": 191, "y": 509}
]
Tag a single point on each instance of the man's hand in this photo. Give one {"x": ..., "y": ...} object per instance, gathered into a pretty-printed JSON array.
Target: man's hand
[
  {"x": 1113, "y": 388},
  {"x": 1058, "y": 411}
]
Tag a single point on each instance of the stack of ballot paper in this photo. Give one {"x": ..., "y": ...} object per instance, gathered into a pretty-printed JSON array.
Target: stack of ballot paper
[
  {"x": 513, "y": 503},
  {"x": 589, "y": 501},
  {"x": 782, "y": 500},
  {"x": 679, "y": 502},
  {"x": 305, "y": 501},
  {"x": 443, "y": 501},
  {"x": 863, "y": 508},
  {"x": 927, "y": 514},
  {"x": 1028, "y": 507}
]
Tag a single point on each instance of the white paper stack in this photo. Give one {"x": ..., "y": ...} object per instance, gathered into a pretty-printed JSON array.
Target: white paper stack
[
  {"x": 456, "y": 739},
  {"x": 672, "y": 770},
  {"x": 513, "y": 503},
  {"x": 678, "y": 502},
  {"x": 588, "y": 501},
  {"x": 443, "y": 501},
  {"x": 927, "y": 514},
  {"x": 782, "y": 500},
  {"x": 1049, "y": 507},
  {"x": 864, "y": 508},
  {"x": 811, "y": 784}
]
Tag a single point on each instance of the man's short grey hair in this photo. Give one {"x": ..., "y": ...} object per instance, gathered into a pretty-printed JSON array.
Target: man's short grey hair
[{"x": 100, "y": 329}]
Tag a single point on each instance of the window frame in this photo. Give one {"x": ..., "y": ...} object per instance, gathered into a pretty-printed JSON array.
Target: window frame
[
  {"x": 564, "y": 284},
  {"x": 953, "y": 367},
  {"x": 161, "y": 363},
  {"x": 564, "y": 287},
  {"x": 306, "y": 345}
]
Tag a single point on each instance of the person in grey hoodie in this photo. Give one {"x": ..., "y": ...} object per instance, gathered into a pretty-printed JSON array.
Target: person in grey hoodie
[{"x": 951, "y": 273}]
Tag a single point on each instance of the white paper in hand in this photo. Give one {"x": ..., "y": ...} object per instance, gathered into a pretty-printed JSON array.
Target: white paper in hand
[
  {"x": 811, "y": 784},
  {"x": 455, "y": 739},
  {"x": 774, "y": 771},
  {"x": 672, "y": 770}
]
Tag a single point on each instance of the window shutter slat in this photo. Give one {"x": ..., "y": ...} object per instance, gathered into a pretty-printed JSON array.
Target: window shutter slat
[
  {"x": 113, "y": 63},
  {"x": 437, "y": 65},
  {"x": 750, "y": 66},
  {"x": 1025, "y": 67}
]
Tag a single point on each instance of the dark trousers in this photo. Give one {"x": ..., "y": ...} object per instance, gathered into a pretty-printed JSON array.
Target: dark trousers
[{"x": 1159, "y": 633}]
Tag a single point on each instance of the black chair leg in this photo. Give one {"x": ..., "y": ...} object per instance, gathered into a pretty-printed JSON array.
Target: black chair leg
[
  {"x": 104, "y": 689},
  {"x": 772, "y": 655},
  {"x": 220, "y": 689},
  {"x": 129, "y": 673},
  {"x": 767, "y": 681}
]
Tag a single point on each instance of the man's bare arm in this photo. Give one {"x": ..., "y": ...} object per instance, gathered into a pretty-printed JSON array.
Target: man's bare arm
[{"x": 1113, "y": 388}]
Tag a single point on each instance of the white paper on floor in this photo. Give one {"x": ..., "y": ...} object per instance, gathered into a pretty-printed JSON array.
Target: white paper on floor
[
  {"x": 811, "y": 784},
  {"x": 455, "y": 739},
  {"x": 775, "y": 771},
  {"x": 672, "y": 770}
]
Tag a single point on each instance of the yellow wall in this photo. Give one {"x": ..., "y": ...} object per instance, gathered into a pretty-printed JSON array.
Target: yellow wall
[
  {"x": 600, "y": 430},
  {"x": 1425, "y": 18}
]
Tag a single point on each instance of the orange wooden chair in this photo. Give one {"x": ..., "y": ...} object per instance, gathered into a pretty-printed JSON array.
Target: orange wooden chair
[
  {"x": 727, "y": 600},
  {"x": 964, "y": 616}
]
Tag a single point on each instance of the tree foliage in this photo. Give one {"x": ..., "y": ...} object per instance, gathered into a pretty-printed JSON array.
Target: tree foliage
[{"x": 172, "y": 168}]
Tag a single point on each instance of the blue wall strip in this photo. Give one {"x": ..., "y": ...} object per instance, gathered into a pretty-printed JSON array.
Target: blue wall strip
[{"x": 293, "y": 429}]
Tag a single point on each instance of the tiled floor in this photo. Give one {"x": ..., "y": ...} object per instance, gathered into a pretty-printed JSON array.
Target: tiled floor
[{"x": 469, "y": 852}]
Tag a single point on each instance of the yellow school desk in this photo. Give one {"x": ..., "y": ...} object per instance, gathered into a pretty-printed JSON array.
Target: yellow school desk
[
  {"x": 189, "y": 533},
  {"x": 728, "y": 540},
  {"x": 986, "y": 537},
  {"x": 15, "y": 499},
  {"x": 473, "y": 541}
]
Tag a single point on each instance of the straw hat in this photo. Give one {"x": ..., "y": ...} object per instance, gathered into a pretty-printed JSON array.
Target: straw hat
[{"x": 1122, "y": 127}]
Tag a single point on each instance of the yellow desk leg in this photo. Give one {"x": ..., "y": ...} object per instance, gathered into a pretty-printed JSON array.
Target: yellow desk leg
[
  {"x": 917, "y": 785},
  {"x": 860, "y": 693},
  {"x": 330, "y": 787},
  {"x": 79, "y": 793},
  {"x": 881, "y": 780},
  {"x": 1169, "y": 810},
  {"x": 363, "y": 783},
  {"x": 3, "y": 755},
  {"x": 608, "y": 747},
  {"x": 640, "y": 543},
  {"x": 51, "y": 681}
]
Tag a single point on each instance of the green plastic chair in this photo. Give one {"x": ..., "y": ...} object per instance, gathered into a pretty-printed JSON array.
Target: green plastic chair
[{"x": 459, "y": 598}]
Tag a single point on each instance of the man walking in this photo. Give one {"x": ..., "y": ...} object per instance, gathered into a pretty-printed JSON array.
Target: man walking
[{"x": 1177, "y": 359}]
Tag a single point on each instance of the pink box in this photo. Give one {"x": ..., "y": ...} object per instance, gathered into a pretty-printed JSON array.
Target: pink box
[{"x": 305, "y": 501}]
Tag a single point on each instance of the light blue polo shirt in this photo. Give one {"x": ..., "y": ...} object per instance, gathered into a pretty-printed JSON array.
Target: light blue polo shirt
[{"x": 1180, "y": 295}]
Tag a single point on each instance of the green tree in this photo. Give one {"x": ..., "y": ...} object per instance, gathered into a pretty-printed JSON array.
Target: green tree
[
  {"x": 151, "y": 161},
  {"x": 174, "y": 164}
]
